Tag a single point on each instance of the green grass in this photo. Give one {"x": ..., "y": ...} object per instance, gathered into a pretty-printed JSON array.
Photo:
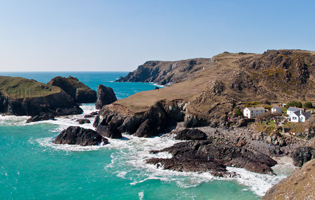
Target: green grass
[{"x": 17, "y": 87}]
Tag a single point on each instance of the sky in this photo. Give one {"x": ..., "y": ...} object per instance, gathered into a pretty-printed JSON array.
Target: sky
[{"x": 120, "y": 35}]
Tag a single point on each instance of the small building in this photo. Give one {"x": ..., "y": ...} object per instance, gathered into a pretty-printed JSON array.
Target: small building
[
  {"x": 276, "y": 109},
  {"x": 299, "y": 116},
  {"x": 294, "y": 109},
  {"x": 251, "y": 112}
]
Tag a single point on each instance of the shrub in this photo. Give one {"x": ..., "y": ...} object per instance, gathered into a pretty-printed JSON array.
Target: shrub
[
  {"x": 238, "y": 112},
  {"x": 294, "y": 104},
  {"x": 308, "y": 105}
]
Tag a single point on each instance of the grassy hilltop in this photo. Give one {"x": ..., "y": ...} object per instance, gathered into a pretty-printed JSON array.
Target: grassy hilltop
[{"x": 20, "y": 88}]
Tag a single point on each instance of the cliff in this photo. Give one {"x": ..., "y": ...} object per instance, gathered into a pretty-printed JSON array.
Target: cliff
[
  {"x": 76, "y": 89},
  {"x": 166, "y": 72},
  {"x": 20, "y": 96},
  {"x": 211, "y": 93},
  {"x": 299, "y": 185}
]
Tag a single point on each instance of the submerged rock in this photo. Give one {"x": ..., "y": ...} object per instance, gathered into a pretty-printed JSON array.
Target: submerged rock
[
  {"x": 79, "y": 136},
  {"x": 36, "y": 118},
  {"x": 83, "y": 121}
]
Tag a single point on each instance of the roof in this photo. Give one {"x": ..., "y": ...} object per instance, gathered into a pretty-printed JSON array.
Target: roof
[
  {"x": 306, "y": 114},
  {"x": 255, "y": 108},
  {"x": 275, "y": 107},
  {"x": 294, "y": 109}
]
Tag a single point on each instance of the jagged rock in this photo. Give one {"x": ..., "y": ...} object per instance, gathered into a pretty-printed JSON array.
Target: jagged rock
[
  {"x": 76, "y": 89},
  {"x": 105, "y": 95},
  {"x": 302, "y": 155},
  {"x": 191, "y": 134},
  {"x": 241, "y": 123},
  {"x": 275, "y": 138},
  {"x": 205, "y": 156},
  {"x": 214, "y": 124},
  {"x": 108, "y": 131},
  {"x": 83, "y": 121},
  {"x": 88, "y": 116},
  {"x": 79, "y": 136}
]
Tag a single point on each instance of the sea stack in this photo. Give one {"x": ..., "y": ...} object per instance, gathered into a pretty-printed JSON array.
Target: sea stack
[{"x": 105, "y": 96}]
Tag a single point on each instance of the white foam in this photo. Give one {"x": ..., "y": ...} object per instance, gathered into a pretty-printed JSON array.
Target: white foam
[
  {"x": 12, "y": 120},
  {"x": 131, "y": 152},
  {"x": 141, "y": 195}
]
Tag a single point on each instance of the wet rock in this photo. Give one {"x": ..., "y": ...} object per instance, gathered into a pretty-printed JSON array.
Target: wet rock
[
  {"x": 45, "y": 116},
  {"x": 206, "y": 156},
  {"x": 83, "y": 121},
  {"x": 108, "y": 131},
  {"x": 79, "y": 136}
]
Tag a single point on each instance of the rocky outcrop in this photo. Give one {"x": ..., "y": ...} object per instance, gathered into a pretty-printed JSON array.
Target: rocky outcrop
[
  {"x": 79, "y": 136},
  {"x": 118, "y": 120},
  {"x": 105, "y": 95},
  {"x": 76, "y": 89},
  {"x": 108, "y": 131},
  {"x": 299, "y": 185},
  {"x": 190, "y": 134},
  {"x": 302, "y": 155},
  {"x": 20, "y": 96},
  {"x": 206, "y": 156}
]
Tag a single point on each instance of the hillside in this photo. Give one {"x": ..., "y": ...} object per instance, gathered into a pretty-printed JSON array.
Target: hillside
[
  {"x": 211, "y": 94},
  {"x": 299, "y": 185}
]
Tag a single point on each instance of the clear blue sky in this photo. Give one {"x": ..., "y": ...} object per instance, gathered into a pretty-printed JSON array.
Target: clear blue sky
[{"x": 101, "y": 35}]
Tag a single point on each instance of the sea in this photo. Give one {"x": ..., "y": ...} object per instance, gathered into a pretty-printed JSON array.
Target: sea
[{"x": 32, "y": 167}]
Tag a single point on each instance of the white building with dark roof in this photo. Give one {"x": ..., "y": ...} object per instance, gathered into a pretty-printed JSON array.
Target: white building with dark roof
[
  {"x": 294, "y": 109},
  {"x": 299, "y": 116},
  {"x": 252, "y": 112},
  {"x": 276, "y": 109}
]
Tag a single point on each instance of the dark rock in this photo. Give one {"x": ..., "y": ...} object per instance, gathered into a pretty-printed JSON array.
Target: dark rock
[
  {"x": 191, "y": 134},
  {"x": 94, "y": 113},
  {"x": 241, "y": 123},
  {"x": 88, "y": 116},
  {"x": 145, "y": 130},
  {"x": 76, "y": 89},
  {"x": 301, "y": 155},
  {"x": 83, "y": 121},
  {"x": 105, "y": 95},
  {"x": 108, "y": 131},
  {"x": 45, "y": 116},
  {"x": 79, "y": 136},
  {"x": 205, "y": 156}
]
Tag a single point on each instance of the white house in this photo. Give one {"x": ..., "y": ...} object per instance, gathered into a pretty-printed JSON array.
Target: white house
[
  {"x": 293, "y": 109},
  {"x": 251, "y": 112},
  {"x": 299, "y": 116},
  {"x": 276, "y": 109}
]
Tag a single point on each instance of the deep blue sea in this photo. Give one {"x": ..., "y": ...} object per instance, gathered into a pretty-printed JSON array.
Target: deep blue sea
[{"x": 31, "y": 167}]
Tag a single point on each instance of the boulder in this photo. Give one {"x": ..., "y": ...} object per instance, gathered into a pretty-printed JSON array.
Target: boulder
[
  {"x": 191, "y": 134},
  {"x": 105, "y": 95},
  {"x": 79, "y": 136},
  {"x": 301, "y": 155}
]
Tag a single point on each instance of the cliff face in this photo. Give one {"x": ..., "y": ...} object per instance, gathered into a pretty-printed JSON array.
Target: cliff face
[
  {"x": 299, "y": 185},
  {"x": 20, "y": 96},
  {"x": 220, "y": 85},
  {"x": 76, "y": 89},
  {"x": 166, "y": 73}
]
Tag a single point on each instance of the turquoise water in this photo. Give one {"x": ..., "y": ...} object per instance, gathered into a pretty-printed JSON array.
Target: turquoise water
[{"x": 31, "y": 167}]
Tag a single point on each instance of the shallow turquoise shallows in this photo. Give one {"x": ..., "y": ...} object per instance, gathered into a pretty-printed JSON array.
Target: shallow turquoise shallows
[{"x": 31, "y": 167}]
